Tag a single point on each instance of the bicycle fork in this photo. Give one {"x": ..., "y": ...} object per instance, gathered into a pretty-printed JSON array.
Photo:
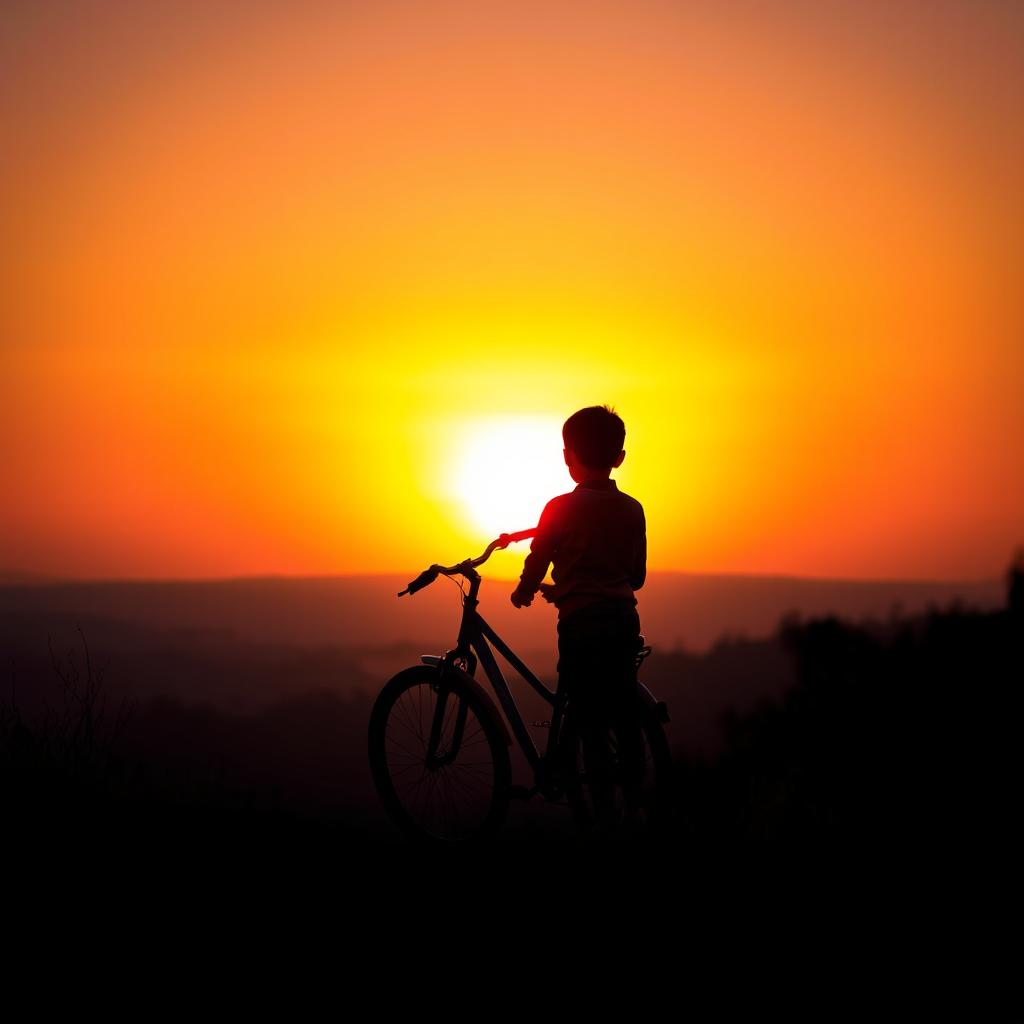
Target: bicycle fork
[{"x": 437, "y": 755}]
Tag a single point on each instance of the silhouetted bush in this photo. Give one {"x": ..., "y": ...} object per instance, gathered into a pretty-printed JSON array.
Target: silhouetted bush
[
  {"x": 173, "y": 772},
  {"x": 906, "y": 732},
  {"x": 60, "y": 761}
]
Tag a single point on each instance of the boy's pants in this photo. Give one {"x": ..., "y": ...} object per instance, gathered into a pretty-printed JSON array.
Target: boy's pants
[{"x": 597, "y": 648}]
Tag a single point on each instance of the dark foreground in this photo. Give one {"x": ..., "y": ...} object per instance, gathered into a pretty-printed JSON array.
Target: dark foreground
[{"x": 905, "y": 733}]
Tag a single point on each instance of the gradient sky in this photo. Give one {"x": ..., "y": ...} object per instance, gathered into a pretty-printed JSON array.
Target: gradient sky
[{"x": 281, "y": 283}]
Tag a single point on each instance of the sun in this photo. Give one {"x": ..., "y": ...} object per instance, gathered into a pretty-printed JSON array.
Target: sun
[{"x": 509, "y": 468}]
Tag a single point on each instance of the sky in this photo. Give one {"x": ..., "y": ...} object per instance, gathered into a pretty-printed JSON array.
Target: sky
[{"x": 309, "y": 288}]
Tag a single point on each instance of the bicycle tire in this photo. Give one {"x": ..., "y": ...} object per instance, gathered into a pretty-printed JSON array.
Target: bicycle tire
[
  {"x": 462, "y": 802},
  {"x": 657, "y": 797}
]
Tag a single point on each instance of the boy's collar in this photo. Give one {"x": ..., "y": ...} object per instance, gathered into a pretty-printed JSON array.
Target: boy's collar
[{"x": 601, "y": 485}]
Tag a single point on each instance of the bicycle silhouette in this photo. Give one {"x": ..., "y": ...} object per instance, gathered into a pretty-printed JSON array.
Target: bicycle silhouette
[{"x": 439, "y": 747}]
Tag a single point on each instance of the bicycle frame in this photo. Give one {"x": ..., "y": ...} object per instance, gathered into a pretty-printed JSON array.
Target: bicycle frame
[{"x": 474, "y": 634}]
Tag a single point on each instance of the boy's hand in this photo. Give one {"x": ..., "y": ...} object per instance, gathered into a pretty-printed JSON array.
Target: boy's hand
[
  {"x": 520, "y": 599},
  {"x": 545, "y": 591}
]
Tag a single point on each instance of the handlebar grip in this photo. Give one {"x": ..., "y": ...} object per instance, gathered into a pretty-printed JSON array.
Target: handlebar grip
[
  {"x": 511, "y": 538},
  {"x": 424, "y": 579}
]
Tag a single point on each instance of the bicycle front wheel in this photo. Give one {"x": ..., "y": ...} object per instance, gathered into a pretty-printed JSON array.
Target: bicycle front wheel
[{"x": 438, "y": 758}]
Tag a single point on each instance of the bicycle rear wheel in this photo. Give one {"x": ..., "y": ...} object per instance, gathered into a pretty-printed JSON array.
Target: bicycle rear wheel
[
  {"x": 656, "y": 789},
  {"x": 459, "y": 791}
]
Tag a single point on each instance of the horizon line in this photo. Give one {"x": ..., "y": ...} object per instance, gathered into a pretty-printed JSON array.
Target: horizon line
[{"x": 8, "y": 578}]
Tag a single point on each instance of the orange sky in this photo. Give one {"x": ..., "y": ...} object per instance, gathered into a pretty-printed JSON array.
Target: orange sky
[{"x": 277, "y": 277}]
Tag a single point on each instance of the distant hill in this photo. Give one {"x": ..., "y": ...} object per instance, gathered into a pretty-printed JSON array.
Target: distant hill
[
  {"x": 15, "y": 577},
  {"x": 677, "y": 610}
]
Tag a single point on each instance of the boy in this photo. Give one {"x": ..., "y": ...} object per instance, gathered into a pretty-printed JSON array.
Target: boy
[{"x": 596, "y": 537}]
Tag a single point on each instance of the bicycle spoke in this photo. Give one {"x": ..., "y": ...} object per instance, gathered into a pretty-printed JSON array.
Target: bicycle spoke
[
  {"x": 401, "y": 746},
  {"x": 466, "y": 785},
  {"x": 410, "y": 723}
]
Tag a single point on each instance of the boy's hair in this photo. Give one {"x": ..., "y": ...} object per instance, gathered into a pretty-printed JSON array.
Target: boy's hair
[{"x": 596, "y": 434}]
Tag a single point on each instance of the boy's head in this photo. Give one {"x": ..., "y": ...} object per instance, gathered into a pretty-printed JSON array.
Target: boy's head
[{"x": 593, "y": 438}]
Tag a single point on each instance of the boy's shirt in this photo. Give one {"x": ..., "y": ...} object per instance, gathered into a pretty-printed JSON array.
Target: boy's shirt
[{"x": 596, "y": 536}]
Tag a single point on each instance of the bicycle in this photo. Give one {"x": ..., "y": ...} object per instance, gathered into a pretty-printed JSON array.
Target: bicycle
[{"x": 439, "y": 748}]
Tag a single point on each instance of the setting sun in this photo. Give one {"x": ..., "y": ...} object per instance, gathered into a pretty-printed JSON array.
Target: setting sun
[{"x": 508, "y": 469}]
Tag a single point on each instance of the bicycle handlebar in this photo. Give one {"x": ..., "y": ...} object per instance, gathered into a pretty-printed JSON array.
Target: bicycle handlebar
[{"x": 428, "y": 576}]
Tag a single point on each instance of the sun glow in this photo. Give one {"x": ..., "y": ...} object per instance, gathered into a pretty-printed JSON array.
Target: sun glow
[
  {"x": 419, "y": 236},
  {"x": 509, "y": 468}
]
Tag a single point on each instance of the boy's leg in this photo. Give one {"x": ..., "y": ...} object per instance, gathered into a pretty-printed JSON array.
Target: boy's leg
[
  {"x": 597, "y": 659},
  {"x": 625, "y": 709},
  {"x": 629, "y": 735},
  {"x": 581, "y": 649}
]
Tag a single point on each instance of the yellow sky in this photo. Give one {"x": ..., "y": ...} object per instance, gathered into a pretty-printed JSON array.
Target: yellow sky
[{"x": 272, "y": 274}]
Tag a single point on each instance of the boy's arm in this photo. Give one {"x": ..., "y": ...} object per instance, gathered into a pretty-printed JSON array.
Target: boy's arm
[
  {"x": 639, "y": 573},
  {"x": 542, "y": 550}
]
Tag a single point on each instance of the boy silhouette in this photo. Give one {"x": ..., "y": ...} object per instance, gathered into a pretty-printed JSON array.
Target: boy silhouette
[{"x": 596, "y": 539}]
